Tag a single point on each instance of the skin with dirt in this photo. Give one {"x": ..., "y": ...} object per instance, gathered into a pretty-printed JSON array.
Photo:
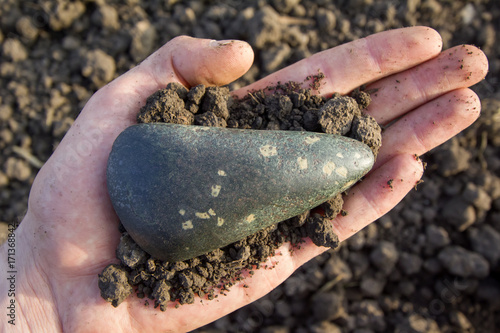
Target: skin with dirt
[{"x": 282, "y": 107}]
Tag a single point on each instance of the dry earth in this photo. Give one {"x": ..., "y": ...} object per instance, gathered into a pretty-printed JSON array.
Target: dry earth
[{"x": 431, "y": 265}]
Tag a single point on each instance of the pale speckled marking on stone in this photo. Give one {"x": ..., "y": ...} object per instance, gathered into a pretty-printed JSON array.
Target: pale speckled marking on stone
[
  {"x": 187, "y": 225},
  {"x": 211, "y": 212},
  {"x": 328, "y": 168},
  {"x": 222, "y": 173},
  {"x": 311, "y": 139},
  {"x": 182, "y": 212},
  {"x": 202, "y": 215},
  {"x": 357, "y": 155},
  {"x": 302, "y": 162},
  {"x": 341, "y": 171},
  {"x": 220, "y": 221},
  {"x": 268, "y": 151},
  {"x": 250, "y": 218},
  {"x": 348, "y": 184},
  {"x": 340, "y": 155},
  {"x": 216, "y": 190}
]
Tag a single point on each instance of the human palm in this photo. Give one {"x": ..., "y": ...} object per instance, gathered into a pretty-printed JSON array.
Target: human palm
[{"x": 70, "y": 231}]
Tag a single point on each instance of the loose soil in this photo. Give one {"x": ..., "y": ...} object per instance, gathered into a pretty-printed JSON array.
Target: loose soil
[
  {"x": 54, "y": 55},
  {"x": 282, "y": 107}
]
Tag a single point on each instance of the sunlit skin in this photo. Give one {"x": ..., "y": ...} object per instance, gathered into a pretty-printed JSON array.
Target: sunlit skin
[{"x": 69, "y": 233}]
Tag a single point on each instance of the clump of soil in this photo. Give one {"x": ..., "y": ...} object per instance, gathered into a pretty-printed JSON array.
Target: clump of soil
[{"x": 282, "y": 107}]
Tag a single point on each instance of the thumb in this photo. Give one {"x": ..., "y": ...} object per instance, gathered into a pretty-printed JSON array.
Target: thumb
[
  {"x": 210, "y": 62},
  {"x": 189, "y": 61}
]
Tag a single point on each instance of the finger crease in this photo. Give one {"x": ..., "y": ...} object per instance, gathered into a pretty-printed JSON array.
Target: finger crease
[
  {"x": 375, "y": 56},
  {"x": 419, "y": 93}
]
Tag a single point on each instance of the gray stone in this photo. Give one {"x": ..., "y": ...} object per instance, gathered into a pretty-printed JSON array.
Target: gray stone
[{"x": 182, "y": 191}]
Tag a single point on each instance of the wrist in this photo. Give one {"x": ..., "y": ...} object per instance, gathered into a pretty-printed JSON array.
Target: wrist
[{"x": 25, "y": 292}]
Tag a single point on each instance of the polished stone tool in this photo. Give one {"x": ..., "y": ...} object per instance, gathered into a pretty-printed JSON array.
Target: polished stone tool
[{"x": 181, "y": 191}]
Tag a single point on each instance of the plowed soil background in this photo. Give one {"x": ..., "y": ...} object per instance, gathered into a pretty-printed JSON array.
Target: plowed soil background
[{"x": 430, "y": 265}]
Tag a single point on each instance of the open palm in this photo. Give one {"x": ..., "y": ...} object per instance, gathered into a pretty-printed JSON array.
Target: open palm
[{"x": 70, "y": 233}]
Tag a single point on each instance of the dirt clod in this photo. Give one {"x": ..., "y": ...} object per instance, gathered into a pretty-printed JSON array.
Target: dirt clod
[
  {"x": 333, "y": 206},
  {"x": 362, "y": 130},
  {"x": 114, "y": 284},
  {"x": 336, "y": 115},
  {"x": 321, "y": 233},
  {"x": 129, "y": 253}
]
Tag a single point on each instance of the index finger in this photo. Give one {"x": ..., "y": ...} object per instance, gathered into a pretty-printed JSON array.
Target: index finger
[{"x": 362, "y": 61}]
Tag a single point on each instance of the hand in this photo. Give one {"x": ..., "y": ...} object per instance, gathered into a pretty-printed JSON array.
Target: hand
[{"x": 70, "y": 233}]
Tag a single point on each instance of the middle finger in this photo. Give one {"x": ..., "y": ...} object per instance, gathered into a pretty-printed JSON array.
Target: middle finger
[{"x": 458, "y": 67}]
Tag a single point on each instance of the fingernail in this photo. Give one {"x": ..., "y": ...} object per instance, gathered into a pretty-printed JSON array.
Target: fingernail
[{"x": 220, "y": 43}]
